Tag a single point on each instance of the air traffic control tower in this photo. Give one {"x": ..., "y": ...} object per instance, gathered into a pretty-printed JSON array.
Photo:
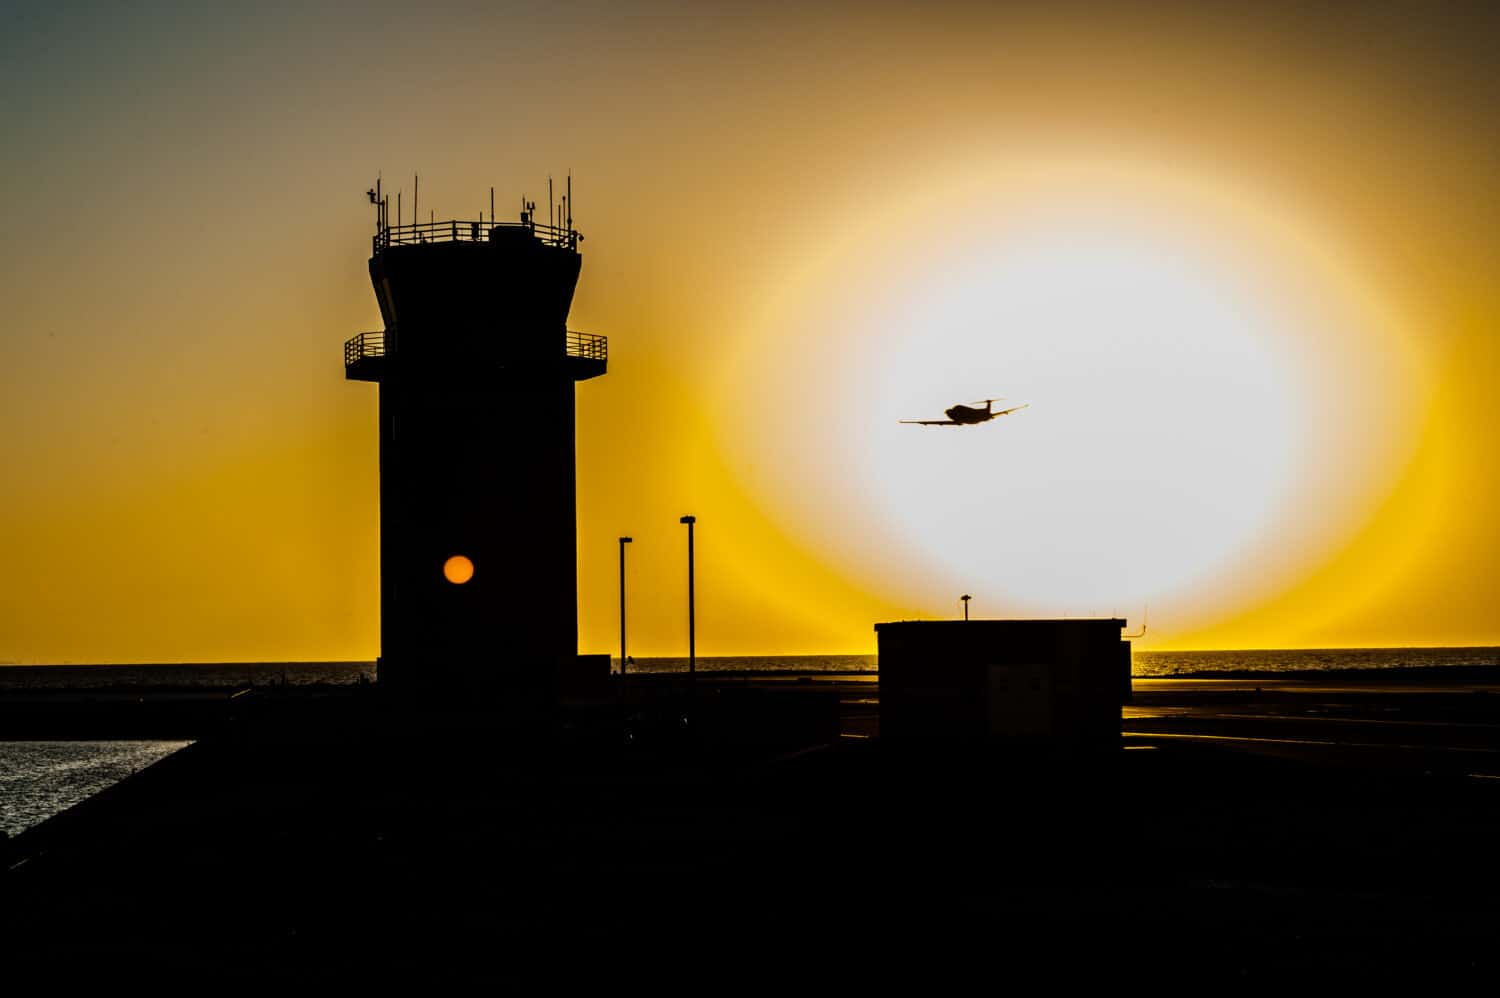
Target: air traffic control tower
[{"x": 478, "y": 529}]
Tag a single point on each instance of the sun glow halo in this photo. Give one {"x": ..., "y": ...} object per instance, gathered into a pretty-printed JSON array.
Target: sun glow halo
[{"x": 1212, "y": 406}]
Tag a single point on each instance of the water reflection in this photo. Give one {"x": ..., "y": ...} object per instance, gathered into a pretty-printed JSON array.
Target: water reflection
[{"x": 39, "y": 779}]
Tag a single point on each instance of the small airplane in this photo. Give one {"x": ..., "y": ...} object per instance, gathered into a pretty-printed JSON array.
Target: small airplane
[{"x": 968, "y": 415}]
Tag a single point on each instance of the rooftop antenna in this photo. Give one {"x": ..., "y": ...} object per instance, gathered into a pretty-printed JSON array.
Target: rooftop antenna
[
  {"x": 415, "y": 182},
  {"x": 492, "y": 205},
  {"x": 374, "y": 195},
  {"x": 1145, "y": 611},
  {"x": 570, "y": 200},
  {"x": 550, "y": 201}
]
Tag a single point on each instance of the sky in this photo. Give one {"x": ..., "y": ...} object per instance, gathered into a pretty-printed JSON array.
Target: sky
[{"x": 1242, "y": 266}]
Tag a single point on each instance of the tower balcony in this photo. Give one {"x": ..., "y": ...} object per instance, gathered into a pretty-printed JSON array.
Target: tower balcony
[
  {"x": 469, "y": 231},
  {"x": 588, "y": 355},
  {"x": 365, "y": 356}
]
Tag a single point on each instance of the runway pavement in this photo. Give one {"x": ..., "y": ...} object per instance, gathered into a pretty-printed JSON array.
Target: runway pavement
[{"x": 1406, "y": 724}]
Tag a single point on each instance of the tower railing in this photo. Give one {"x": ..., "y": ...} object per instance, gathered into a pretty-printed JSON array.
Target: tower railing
[
  {"x": 585, "y": 346},
  {"x": 589, "y": 346},
  {"x": 460, "y": 231},
  {"x": 364, "y": 345}
]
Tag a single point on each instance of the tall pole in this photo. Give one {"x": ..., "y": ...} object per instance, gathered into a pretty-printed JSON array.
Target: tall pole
[
  {"x": 623, "y": 541},
  {"x": 692, "y": 647},
  {"x": 966, "y": 597}
]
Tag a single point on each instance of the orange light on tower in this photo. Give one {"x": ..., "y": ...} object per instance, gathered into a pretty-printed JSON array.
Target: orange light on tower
[{"x": 458, "y": 570}]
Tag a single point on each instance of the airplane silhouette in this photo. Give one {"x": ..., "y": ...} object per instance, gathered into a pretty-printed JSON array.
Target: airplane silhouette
[{"x": 968, "y": 415}]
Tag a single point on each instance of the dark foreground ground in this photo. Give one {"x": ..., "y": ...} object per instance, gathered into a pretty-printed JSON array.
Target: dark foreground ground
[{"x": 1243, "y": 831}]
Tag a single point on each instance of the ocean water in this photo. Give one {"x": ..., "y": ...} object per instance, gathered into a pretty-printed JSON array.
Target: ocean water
[
  {"x": 39, "y": 779},
  {"x": 1178, "y": 663}
]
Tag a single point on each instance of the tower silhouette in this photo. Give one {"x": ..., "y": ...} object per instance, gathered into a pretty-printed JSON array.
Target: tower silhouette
[{"x": 476, "y": 367}]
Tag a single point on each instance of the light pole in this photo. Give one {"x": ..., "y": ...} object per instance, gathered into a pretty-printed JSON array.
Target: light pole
[
  {"x": 692, "y": 647},
  {"x": 623, "y": 541},
  {"x": 966, "y": 597}
]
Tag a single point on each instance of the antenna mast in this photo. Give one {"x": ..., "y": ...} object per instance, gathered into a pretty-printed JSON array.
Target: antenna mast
[{"x": 374, "y": 195}]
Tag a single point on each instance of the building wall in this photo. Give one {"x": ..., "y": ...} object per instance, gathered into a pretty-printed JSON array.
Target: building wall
[{"x": 1055, "y": 680}]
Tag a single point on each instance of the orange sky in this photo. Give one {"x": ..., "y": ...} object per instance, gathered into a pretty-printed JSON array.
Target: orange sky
[{"x": 801, "y": 223}]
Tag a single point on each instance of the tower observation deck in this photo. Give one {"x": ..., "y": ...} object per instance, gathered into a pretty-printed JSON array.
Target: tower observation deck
[{"x": 478, "y": 528}]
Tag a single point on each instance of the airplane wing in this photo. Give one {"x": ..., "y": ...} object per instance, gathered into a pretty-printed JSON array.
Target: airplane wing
[
  {"x": 1014, "y": 408},
  {"x": 929, "y": 422}
]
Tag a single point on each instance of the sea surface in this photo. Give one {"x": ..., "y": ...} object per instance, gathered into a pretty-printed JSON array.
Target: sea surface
[
  {"x": 239, "y": 675},
  {"x": 39, "y": 779}
]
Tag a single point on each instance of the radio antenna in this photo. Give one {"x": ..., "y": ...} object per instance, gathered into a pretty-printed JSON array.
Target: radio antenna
[{"x": 374, "y": 195}]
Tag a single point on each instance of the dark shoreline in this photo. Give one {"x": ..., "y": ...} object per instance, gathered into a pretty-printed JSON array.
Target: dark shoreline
[
  {"x": 1397, "y": 673},
  {"x": 707, "y": 661}
]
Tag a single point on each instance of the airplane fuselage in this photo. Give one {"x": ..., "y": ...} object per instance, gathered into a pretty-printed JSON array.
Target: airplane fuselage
[{"x": 964, "y": 414}]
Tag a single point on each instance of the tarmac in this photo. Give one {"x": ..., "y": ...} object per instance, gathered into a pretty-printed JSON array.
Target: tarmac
[{"x": 1243, "y": 830}]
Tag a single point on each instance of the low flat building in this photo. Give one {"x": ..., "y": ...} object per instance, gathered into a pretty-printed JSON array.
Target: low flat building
[{"x": 1049, "y": 681}]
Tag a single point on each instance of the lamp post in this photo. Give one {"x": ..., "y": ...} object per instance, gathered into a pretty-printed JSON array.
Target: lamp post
[
  {"x": 692, "y": 648},
  {"x": 966, "y": 597},
  {"x": 623, "y": 541}
]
